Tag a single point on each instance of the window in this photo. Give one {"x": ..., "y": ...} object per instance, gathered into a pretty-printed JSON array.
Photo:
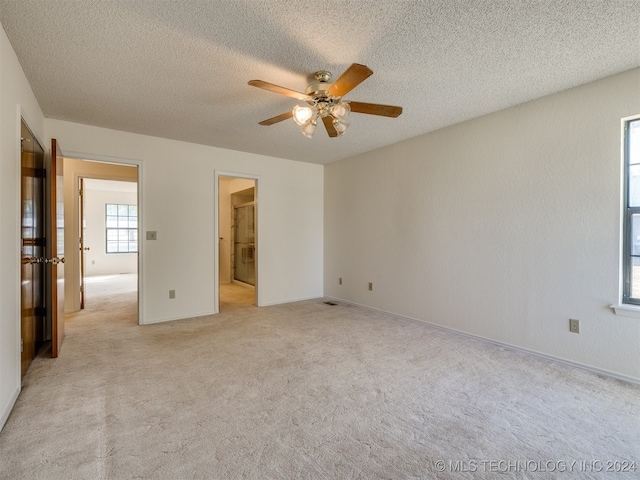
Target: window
[
  {"x": 631, "y": 268},
  {"x": 122, "y": 228}
]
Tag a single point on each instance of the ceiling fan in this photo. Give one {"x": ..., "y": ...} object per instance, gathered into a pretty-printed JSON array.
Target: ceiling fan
[{"x": 324, "y": 100}]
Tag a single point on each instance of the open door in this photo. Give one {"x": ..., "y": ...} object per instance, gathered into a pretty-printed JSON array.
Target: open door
[
  {"x": 56, "y": 248},
  {"x": 83, "y": 249},
  {"x": 33, "y": 253}
]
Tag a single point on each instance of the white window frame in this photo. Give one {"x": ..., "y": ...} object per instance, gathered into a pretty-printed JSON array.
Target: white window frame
[{"x": 118, "y": 229}]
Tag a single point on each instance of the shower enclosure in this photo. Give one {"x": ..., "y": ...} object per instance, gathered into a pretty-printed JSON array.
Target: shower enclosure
[{"x": 244, "y": 237}]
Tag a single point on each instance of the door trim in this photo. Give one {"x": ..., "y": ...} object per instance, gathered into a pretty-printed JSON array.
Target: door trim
[
  {"x": 216, "y": 234},
  {"x": 141, "y": 221}
]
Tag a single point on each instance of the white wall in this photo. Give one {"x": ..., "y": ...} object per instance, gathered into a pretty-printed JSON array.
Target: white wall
[
  {"x": 177, "y": 181},
  {"x": 503, "y": 227},
  {"x": 15, "y": 97},
  {"x": 238, "y": 184},
  {"x": 97, "y": 261}
]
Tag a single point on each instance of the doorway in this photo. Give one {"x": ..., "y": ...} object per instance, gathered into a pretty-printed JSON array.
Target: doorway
[
  {"x": 108, "y": 249},
  {"x": 102, "y": 228},
  {"x": 237, "y": 232}
]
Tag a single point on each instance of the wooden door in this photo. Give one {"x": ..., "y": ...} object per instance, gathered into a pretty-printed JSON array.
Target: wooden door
[
  {"x": 82, "y": 247},
  {"x": 32, "y": 293},
  {"x": 56, "y": 245}
]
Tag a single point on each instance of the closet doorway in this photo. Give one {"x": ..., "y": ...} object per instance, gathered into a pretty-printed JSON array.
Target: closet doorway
[{"x": 237, "y": 235}]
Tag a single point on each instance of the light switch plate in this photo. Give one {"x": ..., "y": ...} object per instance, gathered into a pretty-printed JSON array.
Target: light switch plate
[{"x": 574, "y": 325}]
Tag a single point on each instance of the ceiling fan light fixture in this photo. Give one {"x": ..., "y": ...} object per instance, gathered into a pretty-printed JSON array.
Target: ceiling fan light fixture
[
  {"x": 309, "y": 128},
  {"x": 341, "y": 111},
  {"x": 302, "y": 114},
  {"x": 340, "y": 126}
]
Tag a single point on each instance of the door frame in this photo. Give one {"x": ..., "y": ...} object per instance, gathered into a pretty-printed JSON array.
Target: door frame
[
  {"x": 76, "y": 206},
  {"x": 216, "y": 233}
]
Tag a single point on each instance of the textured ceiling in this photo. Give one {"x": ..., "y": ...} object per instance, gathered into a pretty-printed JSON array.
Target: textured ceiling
[{"x": 179, "y": 68}]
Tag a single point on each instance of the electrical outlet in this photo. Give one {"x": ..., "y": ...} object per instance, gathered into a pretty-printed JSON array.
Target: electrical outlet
[
  {"x": 574, "y": 325},
  {"x": 172, "y": 294},
  {"x": 370, "y": 287},
  {"x": 340, "y": 281}
]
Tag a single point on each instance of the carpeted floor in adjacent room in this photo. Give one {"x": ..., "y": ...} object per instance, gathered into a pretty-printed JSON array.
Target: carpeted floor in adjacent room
[{"x": 306, "y": 390}]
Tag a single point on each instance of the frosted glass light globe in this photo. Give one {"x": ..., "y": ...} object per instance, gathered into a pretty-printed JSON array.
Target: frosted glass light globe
[{"x": 302, "y": 115}]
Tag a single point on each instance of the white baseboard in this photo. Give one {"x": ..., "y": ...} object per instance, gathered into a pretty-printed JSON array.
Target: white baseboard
[
  {"x": 7, "y": 411},
  {"x": 173, "y": 319},
  {"x": 572, "y": 363},
  {"x": 206, "y": 314},
  {"x": 293, "y": 300}
]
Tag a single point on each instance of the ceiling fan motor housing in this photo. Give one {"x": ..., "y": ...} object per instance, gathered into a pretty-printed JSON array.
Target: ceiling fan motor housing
[{"x": 322, "y": 100}]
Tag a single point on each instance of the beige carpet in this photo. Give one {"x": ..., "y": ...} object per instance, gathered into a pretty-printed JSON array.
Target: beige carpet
[
  {"x": 307, "y": 390},
  {"x": 235, "y": 294}
]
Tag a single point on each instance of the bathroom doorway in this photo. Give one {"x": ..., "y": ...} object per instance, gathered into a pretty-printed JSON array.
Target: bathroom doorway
[{"x": 237, "y": 234}]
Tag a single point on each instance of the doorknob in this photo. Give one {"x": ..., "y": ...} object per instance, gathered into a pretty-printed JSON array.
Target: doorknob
[
  {"x": 54, "y": 260},
  {"x": 33, "y": 260},
  {"x": 87, "y": 248}
]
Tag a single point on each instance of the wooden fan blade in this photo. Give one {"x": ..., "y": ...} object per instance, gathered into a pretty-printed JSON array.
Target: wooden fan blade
[
  {"x": 278, "y": 89},
  {"x": 350, "y": 79},
  {"x": 328, "y": 124},
  {"x": 277, "y": 118},
  {"x": 375, "y": 109}
]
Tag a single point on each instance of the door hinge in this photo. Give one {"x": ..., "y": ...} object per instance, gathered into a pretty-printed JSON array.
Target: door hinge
[
  {"x": 81, "y": 288},
  {"x": 21, "y": 345}
]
